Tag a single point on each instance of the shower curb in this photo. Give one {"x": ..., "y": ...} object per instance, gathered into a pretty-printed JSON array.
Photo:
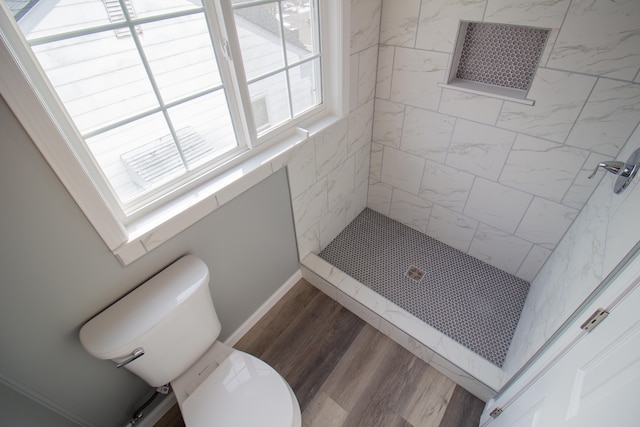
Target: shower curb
[{"x": 467, "y": 369}]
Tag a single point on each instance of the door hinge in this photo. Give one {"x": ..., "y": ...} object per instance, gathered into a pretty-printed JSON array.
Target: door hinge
[
  {"x": 497, "y": 411},
  {"x": 595, "y": 319}
]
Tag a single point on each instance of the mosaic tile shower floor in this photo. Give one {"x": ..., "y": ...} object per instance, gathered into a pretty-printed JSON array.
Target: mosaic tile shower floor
[{"x": 470, "y": 301}]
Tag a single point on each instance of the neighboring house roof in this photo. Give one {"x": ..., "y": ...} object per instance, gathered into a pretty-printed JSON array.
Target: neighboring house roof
[{"x": 19, "y": 8}]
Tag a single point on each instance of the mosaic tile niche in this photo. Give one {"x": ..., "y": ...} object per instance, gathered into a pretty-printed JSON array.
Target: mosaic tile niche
[{"x": 499, "y": 54}]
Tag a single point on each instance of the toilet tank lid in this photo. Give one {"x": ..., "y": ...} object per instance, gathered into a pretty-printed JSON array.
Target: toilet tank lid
[{"x": 109, "y": 333}]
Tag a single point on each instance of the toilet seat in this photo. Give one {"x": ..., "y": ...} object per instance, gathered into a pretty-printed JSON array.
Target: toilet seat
[{"x": 242, "y": 391}]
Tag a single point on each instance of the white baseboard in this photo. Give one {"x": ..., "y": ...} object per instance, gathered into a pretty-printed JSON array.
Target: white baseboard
[{"x": 262, "y": 310}]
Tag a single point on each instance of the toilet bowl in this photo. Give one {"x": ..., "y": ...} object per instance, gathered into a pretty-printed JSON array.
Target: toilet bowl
[
  {"x": 241, "y": 390},
  {"x": 165, "y": 331}
]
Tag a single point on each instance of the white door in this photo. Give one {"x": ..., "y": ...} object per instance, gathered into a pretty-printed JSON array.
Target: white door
[{"x": 596, "y": 383}]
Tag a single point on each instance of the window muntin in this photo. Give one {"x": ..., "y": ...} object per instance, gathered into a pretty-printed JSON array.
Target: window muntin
[{"x": 149, "y": 111}]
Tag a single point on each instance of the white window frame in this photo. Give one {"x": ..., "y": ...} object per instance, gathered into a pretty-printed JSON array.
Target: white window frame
[{"x": 31, "y": 99}]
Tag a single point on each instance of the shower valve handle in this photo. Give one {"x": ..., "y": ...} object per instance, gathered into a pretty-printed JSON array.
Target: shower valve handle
[
  {"x": 626, "y": 171},
  {"x": 613, "y": 166}
]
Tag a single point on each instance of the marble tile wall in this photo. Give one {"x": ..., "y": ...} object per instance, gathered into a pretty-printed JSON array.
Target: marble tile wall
[
  {"x": 599, "y": 238},
  {"x": 499, "y": 180},
  {"x": 329, "y": 172}
]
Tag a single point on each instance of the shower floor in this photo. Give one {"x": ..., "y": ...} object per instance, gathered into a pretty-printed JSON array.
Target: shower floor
[{"x": 473, "y": 303}]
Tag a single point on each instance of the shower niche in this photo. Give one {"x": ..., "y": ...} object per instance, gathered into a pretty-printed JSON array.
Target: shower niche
[{"x": 496, "y": 60}]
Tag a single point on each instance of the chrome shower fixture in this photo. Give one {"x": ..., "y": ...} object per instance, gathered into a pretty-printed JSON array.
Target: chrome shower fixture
[{"x": 626, "y": 171}]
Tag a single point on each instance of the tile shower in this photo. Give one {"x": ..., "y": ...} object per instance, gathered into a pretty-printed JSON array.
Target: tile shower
[{"x": 497, "y": 180}]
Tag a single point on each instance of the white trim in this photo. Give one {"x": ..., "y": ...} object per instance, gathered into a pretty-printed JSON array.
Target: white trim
[
  {"x": 263, "y": 309},
  {"x": 335, "y": 31}
]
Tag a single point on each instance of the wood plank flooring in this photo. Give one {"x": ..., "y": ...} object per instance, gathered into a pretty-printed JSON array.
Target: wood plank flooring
[{"x": 346, "y": 373}]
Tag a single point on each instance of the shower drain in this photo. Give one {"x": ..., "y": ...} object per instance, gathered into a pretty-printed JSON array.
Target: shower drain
[{"x": 415, "y": 274}]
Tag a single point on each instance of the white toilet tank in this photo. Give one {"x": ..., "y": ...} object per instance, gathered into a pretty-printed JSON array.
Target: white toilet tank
[{"x": 170, "y": 317}]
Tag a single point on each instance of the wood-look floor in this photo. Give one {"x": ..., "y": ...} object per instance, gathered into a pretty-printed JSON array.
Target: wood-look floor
[{"x": 346, "y": 373}]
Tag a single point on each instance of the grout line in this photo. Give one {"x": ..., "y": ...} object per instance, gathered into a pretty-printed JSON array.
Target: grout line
[
  {"x": 453, "y": 130},
  {"x": 564, "y": 18},
  {"x": 526, "y": 211},
  {"x": 586, "y": 101},
  {"x": 504, "y": 165},
  {"x": 484, "y": 12},
  {"x": 466, "y": 202},
  {"x": 475, "y": 233}
]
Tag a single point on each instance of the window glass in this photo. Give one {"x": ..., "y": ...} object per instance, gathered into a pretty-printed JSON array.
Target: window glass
[
  {"x": 99, "y": 78},
  {"x": 180, "y": 56},
  {"x": 280, "y": 48},
  {"x": 51, "y": 18},
  {"x": 138, "y": 156},
  {"x": 204, "y": 129},
  {"x": 305, "y": 86},
  {"x": 300, "y": 32},
  {"x": 259, "y": 31},
  {"x": 146, "y": 8},
  {"x": 260, "y": 112},
  {"x": 275, "y": 88}
]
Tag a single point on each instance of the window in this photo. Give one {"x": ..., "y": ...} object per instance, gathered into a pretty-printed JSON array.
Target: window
[{"x": 157, "y": 94}]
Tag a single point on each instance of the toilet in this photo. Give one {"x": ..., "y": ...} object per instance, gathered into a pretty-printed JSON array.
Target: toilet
[{"x": 166, "y": 331}]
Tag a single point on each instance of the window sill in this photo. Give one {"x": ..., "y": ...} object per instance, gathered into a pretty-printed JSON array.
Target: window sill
[
  {"x": 504, "y": 93},
  {"x": 162, "y": 224}
]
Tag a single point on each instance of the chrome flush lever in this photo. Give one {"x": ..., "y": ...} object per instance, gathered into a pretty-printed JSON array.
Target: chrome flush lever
[
  {"x": 626, "y": 171},
  {"x": 138, "y": 352}
]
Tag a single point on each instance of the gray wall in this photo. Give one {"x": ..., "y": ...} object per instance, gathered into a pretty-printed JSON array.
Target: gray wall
[
  {"x": 57, "y": 273},
  {"x": 18, "y": 410}
]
